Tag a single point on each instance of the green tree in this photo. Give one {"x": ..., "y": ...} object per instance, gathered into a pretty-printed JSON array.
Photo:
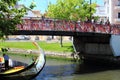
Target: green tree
[
  {"x": 10, "y": 16},
  {"x": 71, "y": 9}
]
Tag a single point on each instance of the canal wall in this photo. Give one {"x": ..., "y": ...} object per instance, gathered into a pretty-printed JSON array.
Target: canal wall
[{"x": 48, "y": 53}]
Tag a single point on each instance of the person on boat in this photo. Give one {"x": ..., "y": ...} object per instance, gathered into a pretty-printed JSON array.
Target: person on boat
[{"x": 6, "y": 60}]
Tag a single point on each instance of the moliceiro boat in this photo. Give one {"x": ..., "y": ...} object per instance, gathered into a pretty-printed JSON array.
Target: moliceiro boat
[{"x": 23, "y": 71}]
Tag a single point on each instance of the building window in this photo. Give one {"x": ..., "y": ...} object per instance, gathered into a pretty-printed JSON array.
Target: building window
[
  {"x": 118, "y": 2},
  {"x": 119, "y": 15}
]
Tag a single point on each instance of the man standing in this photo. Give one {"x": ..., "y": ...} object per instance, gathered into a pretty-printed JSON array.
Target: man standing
[{"x": 6, "y": 58}]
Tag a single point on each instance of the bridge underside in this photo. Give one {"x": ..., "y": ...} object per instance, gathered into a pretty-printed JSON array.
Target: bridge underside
[
  {"x": 60, "y": 33},
  {"x": 99, "y": 47}
]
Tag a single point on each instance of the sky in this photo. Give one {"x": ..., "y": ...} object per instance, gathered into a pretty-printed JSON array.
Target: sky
[{"x": 41, "y": 5}]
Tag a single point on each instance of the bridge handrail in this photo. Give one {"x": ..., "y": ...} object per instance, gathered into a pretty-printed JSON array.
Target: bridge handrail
[{"x": 63, "y": 25}]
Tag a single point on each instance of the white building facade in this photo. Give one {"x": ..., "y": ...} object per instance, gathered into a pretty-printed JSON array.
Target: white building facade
[
  {"x": 101, "y": 13},
  {"x": 113, "y": 10}
]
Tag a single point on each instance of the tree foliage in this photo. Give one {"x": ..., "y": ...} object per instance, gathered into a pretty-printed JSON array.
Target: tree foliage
[
  {"x": 71, "y": 9},
  {"x": 10, "y": 16}
]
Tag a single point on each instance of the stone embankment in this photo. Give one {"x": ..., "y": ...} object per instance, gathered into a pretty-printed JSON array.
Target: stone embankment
[{"x": 50, "y": 53}]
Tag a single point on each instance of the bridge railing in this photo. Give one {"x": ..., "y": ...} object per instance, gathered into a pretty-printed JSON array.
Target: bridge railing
[{"x": 63, "y": 25}]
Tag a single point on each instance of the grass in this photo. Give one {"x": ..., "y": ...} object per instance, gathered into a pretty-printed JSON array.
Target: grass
[
  {"x": 58, "y": 58},
  {"x": 67, "y": 46},
  {"x": 52, "y": 46},
  {"x": 21, "y": 45}
]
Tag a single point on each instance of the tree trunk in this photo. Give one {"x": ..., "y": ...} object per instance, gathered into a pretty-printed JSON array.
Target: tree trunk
[{"x": 61, "y": 39}]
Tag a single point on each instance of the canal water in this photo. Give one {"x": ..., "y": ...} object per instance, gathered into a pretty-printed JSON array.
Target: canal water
[
  {"x": 64, "y": 70},
  {"x": 67, "y": 70}
]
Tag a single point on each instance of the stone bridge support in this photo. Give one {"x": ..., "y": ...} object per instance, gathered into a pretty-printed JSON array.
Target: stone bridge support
[{"x": 93, "y": 46}]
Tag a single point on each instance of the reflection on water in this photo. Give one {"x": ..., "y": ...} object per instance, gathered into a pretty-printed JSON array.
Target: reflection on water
[{"x": 62, "y": 70}]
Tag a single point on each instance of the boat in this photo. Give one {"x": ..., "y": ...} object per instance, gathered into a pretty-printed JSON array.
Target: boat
[{"x": 23, "y": 71}]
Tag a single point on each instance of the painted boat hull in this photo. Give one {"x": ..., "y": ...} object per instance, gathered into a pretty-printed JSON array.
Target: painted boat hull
[{"x": 26, "y": 73}]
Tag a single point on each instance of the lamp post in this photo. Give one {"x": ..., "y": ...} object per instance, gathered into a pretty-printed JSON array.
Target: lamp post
[{"x": 90, "y": 10}]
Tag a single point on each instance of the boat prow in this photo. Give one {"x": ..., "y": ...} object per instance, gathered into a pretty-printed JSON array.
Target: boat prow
[{"x": 25, "y": 72}]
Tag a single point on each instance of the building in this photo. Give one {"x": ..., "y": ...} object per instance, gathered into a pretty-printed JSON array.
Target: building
[
  {"x": 37, "y": 13},
  {"x": 101, "y": 13},
  {"x": 110, "y": 11},
  {"x": 112, "y": 8}
]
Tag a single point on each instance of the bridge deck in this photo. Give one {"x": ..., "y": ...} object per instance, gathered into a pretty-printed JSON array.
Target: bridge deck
[
  {"x": 62, "y": 27},
  {"x": 58, "y": 33}
]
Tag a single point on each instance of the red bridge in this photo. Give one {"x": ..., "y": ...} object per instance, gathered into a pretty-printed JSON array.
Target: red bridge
[
  {"x": 36, "y": 26},
  {"x": 92, "y": 41}
]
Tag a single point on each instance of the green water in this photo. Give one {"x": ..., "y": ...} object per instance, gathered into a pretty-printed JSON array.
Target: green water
[
  {"x": 62, "y": 70},
  {"x": 66, "y": 70}
]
